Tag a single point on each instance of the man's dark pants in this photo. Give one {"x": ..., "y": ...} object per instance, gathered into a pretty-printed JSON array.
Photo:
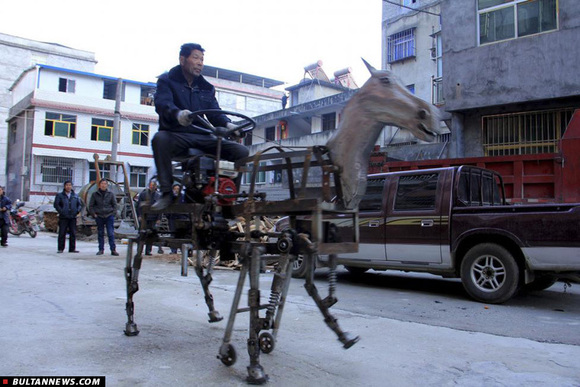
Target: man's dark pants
[
  {"x": 168, "y": 145},
  {"x": 109, "y": 223},
  {"x": 3, "y": 231},
  {"x": 64, "y": 226}
]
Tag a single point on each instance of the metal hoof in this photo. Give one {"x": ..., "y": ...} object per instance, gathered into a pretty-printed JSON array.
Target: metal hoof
[
  {"x": 214, "y": 316},
  {"x": 131, "y": 329},
  {"x": 256, "y": 375},
  {"x": 349, "y": 341}
]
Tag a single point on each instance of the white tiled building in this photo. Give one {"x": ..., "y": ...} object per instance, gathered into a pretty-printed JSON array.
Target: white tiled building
[
  {"x": 18, "y": 54},
  {"x": 61, "y": 117},
  {"x": 67, "y": 116}
]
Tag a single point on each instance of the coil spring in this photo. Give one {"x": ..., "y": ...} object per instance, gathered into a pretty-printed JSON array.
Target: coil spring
[
  {"x": 332, "y": 281},
  {"x": 273, "y": 303}
]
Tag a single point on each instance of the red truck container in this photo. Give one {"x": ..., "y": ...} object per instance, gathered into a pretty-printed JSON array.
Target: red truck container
[{"x": 538, "y": 178}]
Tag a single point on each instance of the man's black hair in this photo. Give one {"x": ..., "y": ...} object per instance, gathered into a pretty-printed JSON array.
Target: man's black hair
[
  {"x": 187, "y": 48},
  {"x": 66, "y": 182}
]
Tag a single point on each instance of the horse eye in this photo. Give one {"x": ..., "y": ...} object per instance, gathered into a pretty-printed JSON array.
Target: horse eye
[{"x": 385, "y": 80}]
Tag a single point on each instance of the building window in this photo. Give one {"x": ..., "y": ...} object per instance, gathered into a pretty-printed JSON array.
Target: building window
[
  {"x": 437, "y": 82},
  {"x": 271, "y": 133},
  {"x": 524, "y": 133},
  {"x": 411, "y": 88},
  {"x": 138, "y": 177},
  {"x": 66, "y": 85},
  {"x": 147, "y": 95},
  {"x": 110, "y": 89},
  {"x": 401, "y": 45},
  {"x": 140, "y": 134},
  {"x": 102, "y": 130},
  {"x": 329, "y": 121},
  {"x": 60, "y": 125},
  {"x": 56, "y": 170},
  {"x": 104, "y": 170},
  {"x": 248, "y": 139},
  {"x": 504, "y": 19},
  {"x": 260, "y": 178}
]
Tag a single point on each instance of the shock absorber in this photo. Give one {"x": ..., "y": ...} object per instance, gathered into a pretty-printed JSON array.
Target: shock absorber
[
  {"x": 272, "y": 304},
  {"x": 331, "y": 299}
]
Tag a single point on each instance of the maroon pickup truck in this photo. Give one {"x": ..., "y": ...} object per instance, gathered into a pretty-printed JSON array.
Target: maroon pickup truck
[{"x": 455, "y": 222}]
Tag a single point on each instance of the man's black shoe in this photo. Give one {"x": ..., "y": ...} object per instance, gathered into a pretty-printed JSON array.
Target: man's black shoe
[{"x": 164, "y": 201}]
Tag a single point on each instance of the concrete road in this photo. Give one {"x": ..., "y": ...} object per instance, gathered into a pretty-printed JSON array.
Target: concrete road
[{"x": 64, "y": 314}]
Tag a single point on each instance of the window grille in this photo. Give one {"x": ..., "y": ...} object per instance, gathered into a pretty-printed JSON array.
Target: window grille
[
  {"x": 401, "y": 45},
  {"x": 104, "y": 169},
  {"x": 328, "y": 121},
  {"x": 60, "y": 125},
  {"x": 140, "y": 134},
  {"x": 524, "y": 133},
  {"x": 56, "y": 169}
]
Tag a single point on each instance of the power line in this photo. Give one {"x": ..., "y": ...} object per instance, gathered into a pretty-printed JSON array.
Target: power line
[{"x": 413, "y": 9}]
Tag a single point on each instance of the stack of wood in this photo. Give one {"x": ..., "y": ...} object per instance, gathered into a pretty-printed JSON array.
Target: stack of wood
[{"x": 51, "y": 221}]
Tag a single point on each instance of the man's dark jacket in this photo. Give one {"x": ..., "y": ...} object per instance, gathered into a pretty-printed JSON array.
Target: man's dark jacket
[
  {"x": 67, "y": 208},
  {"x": 146, "y": 197},
  {"x": 103, "y": 204},
  {"x": 5, "y": 202},
  {"x": 174, "y": 94}
]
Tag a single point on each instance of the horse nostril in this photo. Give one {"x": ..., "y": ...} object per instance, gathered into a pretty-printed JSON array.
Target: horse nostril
[{"x": 422, "y": 114}]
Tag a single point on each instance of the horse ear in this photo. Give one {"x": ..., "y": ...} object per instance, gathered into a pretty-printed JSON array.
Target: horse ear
[{"x": 372, "y": 70}]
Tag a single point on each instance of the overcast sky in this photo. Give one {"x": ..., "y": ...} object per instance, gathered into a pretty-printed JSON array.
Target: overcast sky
[{"x": 138, "y": 40}]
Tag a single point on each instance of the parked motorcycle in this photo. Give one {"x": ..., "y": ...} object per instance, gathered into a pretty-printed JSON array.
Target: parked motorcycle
[{"x": 22, "y": 221}]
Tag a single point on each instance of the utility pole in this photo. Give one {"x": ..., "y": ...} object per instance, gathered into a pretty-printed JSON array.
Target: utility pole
[{"x": 116, "y": 125}]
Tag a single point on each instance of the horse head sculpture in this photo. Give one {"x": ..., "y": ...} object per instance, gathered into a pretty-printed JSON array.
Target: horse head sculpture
[{"x": 382, "y": 100}]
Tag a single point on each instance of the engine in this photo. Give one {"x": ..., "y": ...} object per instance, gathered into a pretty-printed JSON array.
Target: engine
[{"x": 199, "y": 177}]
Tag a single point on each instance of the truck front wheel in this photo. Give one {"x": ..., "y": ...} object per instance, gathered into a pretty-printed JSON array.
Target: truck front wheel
[{"x": 489, "y": 273}]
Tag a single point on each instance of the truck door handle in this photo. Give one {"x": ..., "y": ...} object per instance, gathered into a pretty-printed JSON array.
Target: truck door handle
[
  {"x": 427, "y": 223},
  {"x": 374, "y": 223}
]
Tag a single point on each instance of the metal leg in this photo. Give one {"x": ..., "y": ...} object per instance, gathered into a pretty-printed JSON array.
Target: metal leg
[
  {"x": 227, "y": 353},
  {"x": 214, "y": 315},
  {"x": 324, "y": 304},
  {"x": 133, "y": 265},
  {"x": 256, "y": 373}
]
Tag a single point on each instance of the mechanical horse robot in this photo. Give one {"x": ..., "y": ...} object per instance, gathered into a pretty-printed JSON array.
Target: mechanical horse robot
[{"x": 212, "y": 201}]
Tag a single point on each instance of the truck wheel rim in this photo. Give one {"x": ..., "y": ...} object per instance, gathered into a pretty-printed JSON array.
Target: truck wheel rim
[
  {"x": 297, "y": 264},
  {"x": 488, "y": 273}
]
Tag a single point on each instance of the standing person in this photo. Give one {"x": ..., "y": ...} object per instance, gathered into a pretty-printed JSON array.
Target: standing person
[
  {"x": 179, "y": 92},
  {"x": 5, "y": 207},
  {"x": 149, "y": 196},
  {"x": 103, "y": 207},
  {"x": 68, "y": 205}
]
